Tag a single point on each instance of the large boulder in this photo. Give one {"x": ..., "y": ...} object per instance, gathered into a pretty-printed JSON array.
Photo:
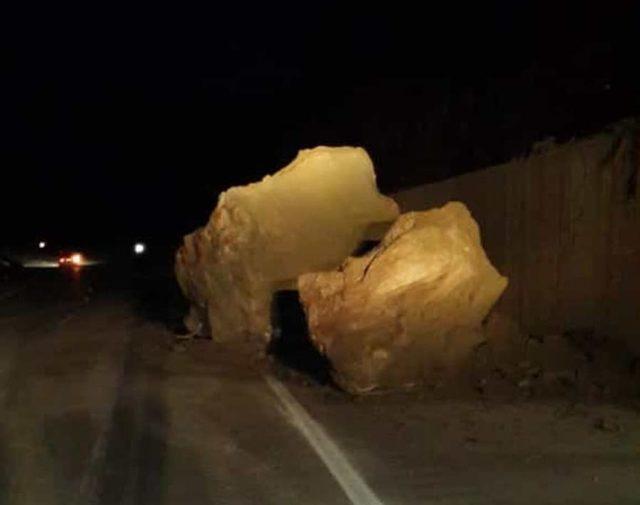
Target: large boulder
[
  {"x": 408, "y": 310},
  {"x": 309, "y": 216}
]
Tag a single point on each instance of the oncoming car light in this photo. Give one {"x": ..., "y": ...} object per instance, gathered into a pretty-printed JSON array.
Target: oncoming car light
[{"x": 74, "y": 259}]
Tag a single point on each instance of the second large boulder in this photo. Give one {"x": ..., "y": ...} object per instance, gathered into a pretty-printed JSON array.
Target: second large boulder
[{"x": 410, "y": 308}]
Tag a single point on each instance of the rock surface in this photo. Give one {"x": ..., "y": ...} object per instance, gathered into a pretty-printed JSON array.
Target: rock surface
[
  {"x": 309, "y": 216},
  {"x": 411, "y": 308}
]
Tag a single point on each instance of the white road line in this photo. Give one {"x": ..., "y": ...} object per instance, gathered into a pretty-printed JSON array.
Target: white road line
[{"x": 336, "y": 462}]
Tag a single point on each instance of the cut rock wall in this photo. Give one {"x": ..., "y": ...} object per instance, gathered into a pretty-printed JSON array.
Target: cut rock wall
[{"x": 564, "y": 227}]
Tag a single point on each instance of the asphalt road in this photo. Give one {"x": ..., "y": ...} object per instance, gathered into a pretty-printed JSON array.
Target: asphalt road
[{"x": 99, "y": 405}]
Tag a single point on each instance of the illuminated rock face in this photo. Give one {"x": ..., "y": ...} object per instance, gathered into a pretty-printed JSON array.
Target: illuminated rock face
[
  {"x": 307, "y": 217},
  {"x": 408, "y": 310}
]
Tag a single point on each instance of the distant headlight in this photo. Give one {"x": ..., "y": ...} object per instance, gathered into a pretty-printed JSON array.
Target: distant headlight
[
  {"x": 139, "y": 248},
  {"x": 76, "y": 259}
]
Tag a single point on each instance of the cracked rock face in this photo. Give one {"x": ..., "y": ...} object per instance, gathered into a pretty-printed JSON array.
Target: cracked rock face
[
  {"x": 309, "y": 216},
  {"x": 408, "y": 310}
]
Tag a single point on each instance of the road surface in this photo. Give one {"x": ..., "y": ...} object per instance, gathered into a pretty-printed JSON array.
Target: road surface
[{"x": 99, "y": 405}]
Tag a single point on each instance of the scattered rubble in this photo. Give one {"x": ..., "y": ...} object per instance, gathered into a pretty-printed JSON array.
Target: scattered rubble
[{"x": 576, "y": 364}]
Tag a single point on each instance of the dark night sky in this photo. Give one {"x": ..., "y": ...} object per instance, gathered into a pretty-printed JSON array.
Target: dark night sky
[{"x": 118, "y": 124}]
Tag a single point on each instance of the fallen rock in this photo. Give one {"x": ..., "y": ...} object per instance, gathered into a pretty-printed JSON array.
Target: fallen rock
[
  {"x": 606, "y": 424},
  {"x": 553, "y": 353},
  {"x": 409, "y": 309},
  {"x": 309, "y": 216}
]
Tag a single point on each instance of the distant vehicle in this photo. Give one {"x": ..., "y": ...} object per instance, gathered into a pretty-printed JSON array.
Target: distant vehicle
[{"x": 74, "y": 259}]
